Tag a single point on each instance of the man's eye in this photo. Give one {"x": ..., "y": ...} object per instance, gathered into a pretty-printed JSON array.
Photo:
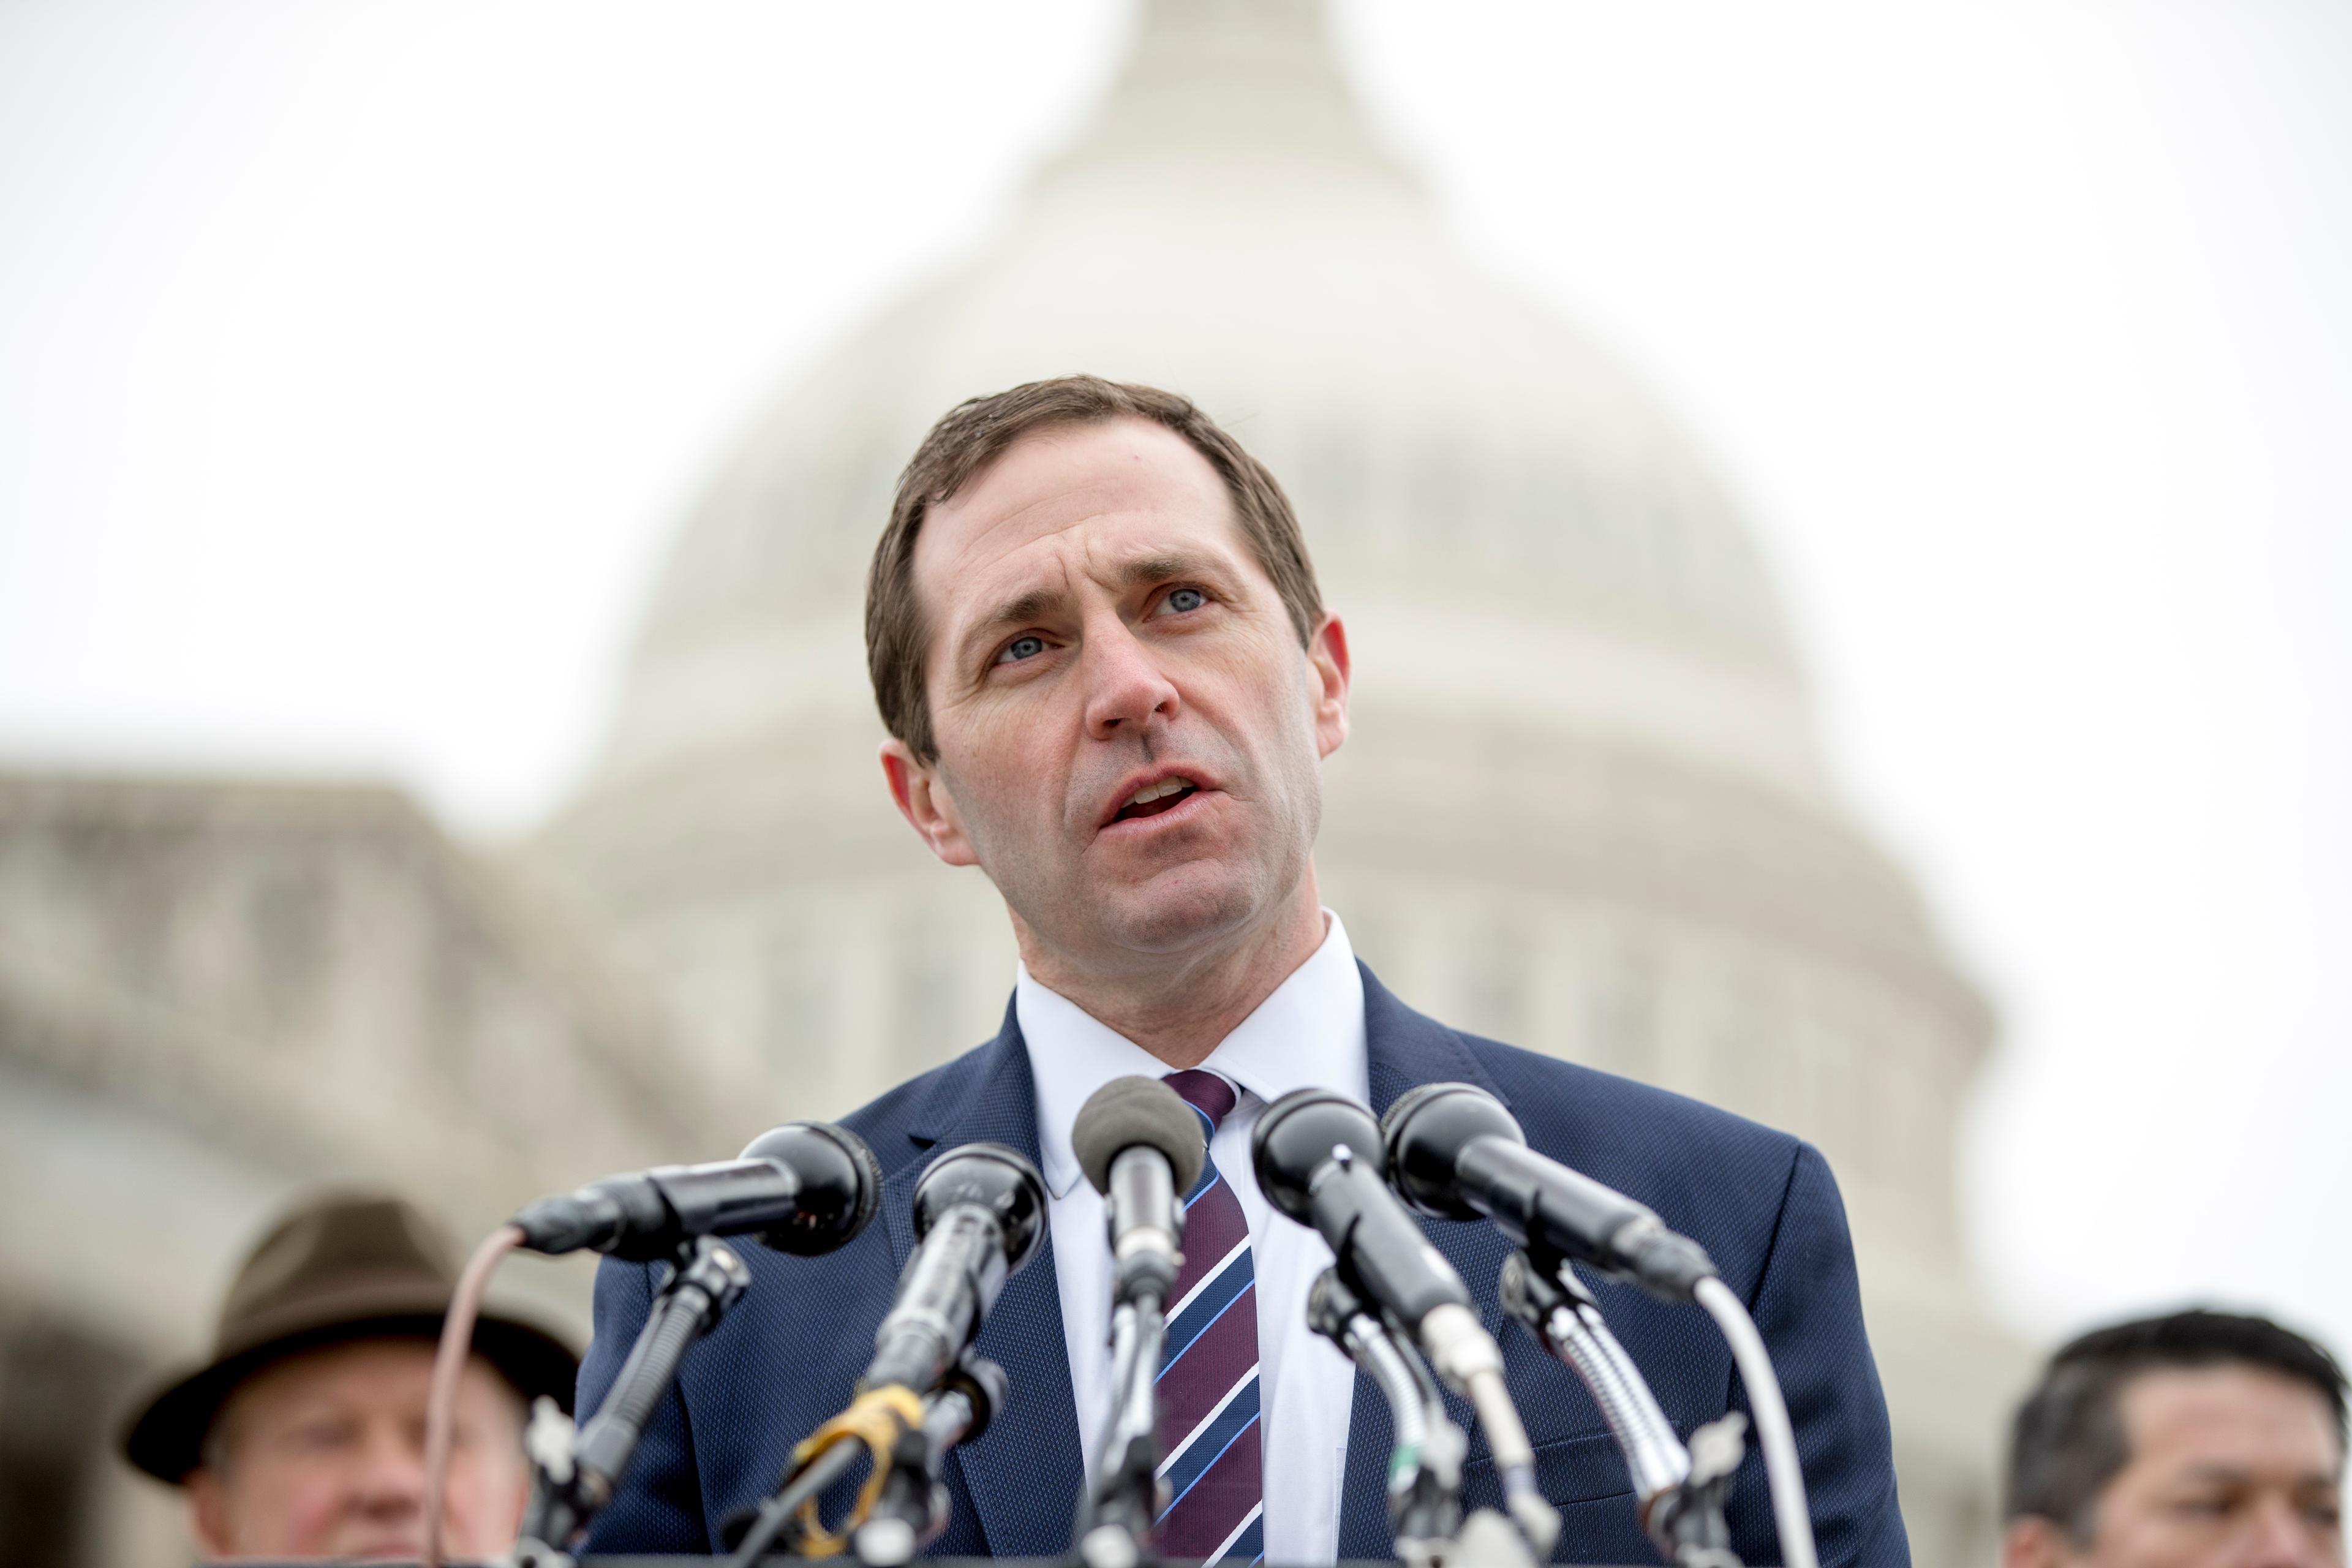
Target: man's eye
[
  {"x": 1020, "y": 648},
  {"x": 318, "y": 1436},
  {"x": 1182, "y": 599}
]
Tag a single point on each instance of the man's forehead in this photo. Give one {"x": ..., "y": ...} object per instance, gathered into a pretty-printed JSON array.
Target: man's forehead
[
  {"x": 1108, "y": 494},
  {"x": 2185, "y": 1407},
  {"x": 338, "y": 1367}
]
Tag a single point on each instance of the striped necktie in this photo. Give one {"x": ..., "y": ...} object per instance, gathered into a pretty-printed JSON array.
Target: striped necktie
[{"x": 1209, "y": 1428}]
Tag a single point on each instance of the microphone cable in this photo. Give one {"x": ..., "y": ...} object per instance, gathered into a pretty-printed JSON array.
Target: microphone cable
[
  {"x": 448, "y": 1368},
  {"x": 1774, "y": 1434}
]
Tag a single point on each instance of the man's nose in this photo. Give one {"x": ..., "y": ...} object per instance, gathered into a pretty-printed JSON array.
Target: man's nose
[
  {"x": 2282, "y": 1537},
  {"x": 1125, "y": 688},
  {"x": 392, "y": 1473}
]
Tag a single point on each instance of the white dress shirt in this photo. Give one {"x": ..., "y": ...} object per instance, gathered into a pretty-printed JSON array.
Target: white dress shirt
[{"x": 1310, "y": 1032}]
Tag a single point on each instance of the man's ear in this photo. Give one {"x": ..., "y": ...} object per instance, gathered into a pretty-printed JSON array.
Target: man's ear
[
  {"x": 2031, "y": 1542},
  {"x": 208, "y": 1513},
  {"x": 1326, "y": 663},
  {"x": 922, "y": 798}
]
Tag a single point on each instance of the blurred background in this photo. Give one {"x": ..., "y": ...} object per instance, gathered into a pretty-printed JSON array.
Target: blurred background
[{"x": 1844, "y": 514}]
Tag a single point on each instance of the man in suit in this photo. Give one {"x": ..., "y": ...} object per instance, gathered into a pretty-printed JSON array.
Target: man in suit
[{"x": 1109, "y": 681}]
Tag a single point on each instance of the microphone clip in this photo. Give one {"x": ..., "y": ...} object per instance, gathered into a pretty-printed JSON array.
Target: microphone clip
[
  {"x": 1689, "y": 1518},
  {"x": 903, "y": 1506},
  {"x": 911, "y": 1509}
]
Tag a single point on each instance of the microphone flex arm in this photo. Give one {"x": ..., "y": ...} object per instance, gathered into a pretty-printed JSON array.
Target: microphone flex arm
[
  {"x": 1425, "y": 1464},
  {"x": 1678, "y": 1492},
  {"x": 1563, "y": 1316}
]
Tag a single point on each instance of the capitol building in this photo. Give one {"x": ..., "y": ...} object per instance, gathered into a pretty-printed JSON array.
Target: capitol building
[{"x": 1583, "y": 807}]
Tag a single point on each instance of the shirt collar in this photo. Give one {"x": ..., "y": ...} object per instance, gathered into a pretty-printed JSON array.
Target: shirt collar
[{"x": 1309, "y": 1032}]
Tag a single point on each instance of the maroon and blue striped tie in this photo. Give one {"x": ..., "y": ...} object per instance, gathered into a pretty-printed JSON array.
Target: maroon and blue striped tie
[{"x": 1209, "y": 1428}]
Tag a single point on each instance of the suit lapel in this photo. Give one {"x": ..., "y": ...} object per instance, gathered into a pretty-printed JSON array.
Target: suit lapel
[
  {"x": 1025, "y": 1473},
  {"x": 1403, "y": 1049}
]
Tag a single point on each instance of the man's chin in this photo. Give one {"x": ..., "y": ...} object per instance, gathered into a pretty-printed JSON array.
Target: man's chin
[{"x": 1178, "y": 911}]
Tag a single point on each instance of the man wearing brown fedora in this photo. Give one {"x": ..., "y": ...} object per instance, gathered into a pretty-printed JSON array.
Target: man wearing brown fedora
[{"x": 304, "y": 1435}]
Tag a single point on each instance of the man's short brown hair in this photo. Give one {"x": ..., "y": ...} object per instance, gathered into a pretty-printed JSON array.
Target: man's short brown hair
[
  {"x": 2068, "y": 1439},
  {"x": 975, "y": 433}
]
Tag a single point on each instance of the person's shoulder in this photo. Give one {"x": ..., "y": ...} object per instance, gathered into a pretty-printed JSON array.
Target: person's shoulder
[
  {"x": 893, "y": 1121},
  {"x": 1681, "y": 1156},
  {"x": 1573, "y": 1090}
]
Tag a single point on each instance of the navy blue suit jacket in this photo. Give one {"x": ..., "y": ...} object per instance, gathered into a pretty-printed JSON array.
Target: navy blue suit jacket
[{"x": 1763, "y": 1203}]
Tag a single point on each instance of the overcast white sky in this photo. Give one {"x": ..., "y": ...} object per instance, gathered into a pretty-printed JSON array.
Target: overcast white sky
[{"x": 357, "y": 359}]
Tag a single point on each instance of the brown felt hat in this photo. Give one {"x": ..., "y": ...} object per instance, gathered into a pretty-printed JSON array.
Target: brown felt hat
[{"x": 341, "y": 1267}]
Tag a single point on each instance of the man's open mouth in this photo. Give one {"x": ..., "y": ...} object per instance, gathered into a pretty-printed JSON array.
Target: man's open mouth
[{"x": 1154, "y": 799}]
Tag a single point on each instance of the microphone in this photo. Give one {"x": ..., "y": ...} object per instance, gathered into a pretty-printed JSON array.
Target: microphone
[
  {"x": 1318, "y": 1160},
  {"x": 1454, "y": 1152},
  {"x": 980, "y": 1216},
  {"x": 1141, "y": 1147},
  {"x": 805, "y": 1187}
]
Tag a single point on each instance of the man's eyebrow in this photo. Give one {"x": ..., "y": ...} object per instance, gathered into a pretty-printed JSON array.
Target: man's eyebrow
[
  {"x": 1159, "y": 568},
  {"x": 1025, "y": 606},
  {"x": 2223, "y": 1474}
]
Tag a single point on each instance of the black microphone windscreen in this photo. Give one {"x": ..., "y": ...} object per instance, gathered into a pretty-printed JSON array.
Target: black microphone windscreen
[
  {"x": 1126, "y": 1111},
  {"x": 840, "y": 1177}
]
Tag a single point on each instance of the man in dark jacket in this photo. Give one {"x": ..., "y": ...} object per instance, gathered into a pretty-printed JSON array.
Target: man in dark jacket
[{"x": 1110, "y": 680}]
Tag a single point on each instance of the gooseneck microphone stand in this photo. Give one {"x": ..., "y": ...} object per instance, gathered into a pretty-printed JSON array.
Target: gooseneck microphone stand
[
  {"x": 573, "y": 1482},
  {"x": 1679, "y": 1493},
  {"x": 1426, "y": 1461}
]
